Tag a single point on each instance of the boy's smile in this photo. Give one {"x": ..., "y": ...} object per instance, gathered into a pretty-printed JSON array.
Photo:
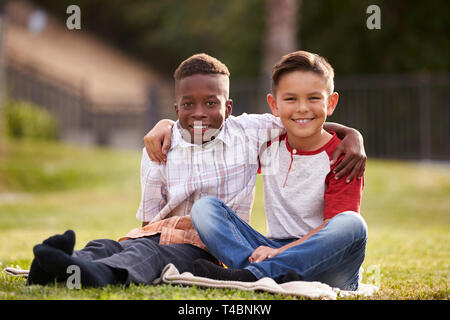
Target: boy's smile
[
  {"x": 303, "y": 122},
  {"x": 202, "y": 105},
  {"x": 303, "y": 103}
]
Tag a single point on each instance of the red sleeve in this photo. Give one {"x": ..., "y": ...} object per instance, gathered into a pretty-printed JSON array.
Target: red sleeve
[
  {"x": 264, "y": 148},
  {"x": 341, "y": 196},
  {"x": 259, "y": 166}
]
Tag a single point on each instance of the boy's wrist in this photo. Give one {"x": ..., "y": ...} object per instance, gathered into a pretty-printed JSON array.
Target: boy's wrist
[
  {"x": 356, "y": 133},
  {"x": 340, "y": 130},
  {"x": 344, "y": 131}
]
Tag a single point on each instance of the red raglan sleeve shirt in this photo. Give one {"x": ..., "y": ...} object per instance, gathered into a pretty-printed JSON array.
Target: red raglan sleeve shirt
[{"x": 341, "y": 196}]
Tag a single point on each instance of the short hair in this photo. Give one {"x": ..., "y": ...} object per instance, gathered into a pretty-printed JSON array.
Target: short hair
[
  {"x": 303, "y": 61},
  {"x": 200, "y": 63}
]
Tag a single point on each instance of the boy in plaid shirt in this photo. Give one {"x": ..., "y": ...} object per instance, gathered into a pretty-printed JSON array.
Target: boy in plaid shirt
[{"x": 212, "y": 154}]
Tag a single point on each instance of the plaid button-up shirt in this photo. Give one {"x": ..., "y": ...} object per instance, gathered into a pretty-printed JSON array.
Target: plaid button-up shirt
[{"x": 224, "y": 168}]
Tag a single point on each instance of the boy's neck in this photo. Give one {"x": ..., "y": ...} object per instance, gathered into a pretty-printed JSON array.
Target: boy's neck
[{"x": 310, "y": 143}]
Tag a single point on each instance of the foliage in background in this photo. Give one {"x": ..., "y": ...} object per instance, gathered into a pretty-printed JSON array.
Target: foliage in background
[
  {"x": 413, "y": 35},
  {"x": 25, "y": 120},
  {"x": 163, "y": 33}
]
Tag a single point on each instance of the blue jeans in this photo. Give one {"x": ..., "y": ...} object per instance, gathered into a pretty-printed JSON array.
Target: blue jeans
[{"x": 332, "y": 256}]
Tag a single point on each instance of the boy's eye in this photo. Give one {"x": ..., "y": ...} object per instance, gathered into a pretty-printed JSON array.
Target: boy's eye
[
  {"x": 186, "y": 104},
  {"x": 314, "y": 98},
  {"x": 289, "y": 99},
  {"x": 211, "y": 103}
]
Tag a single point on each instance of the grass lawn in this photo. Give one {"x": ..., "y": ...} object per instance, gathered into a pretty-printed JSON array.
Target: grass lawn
[{"x": 46, "y": 188}]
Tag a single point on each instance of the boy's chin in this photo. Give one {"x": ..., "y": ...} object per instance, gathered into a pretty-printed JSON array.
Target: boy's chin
[
  {"x": 200, "y": 138},
  {"x": 300, "y": 133}
]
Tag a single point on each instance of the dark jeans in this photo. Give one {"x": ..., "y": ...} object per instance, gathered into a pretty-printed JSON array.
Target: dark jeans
[{"x": 143, "y": 258}]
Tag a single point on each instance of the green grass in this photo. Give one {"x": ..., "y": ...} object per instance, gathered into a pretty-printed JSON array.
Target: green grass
[{"x": 46, "y": 188}]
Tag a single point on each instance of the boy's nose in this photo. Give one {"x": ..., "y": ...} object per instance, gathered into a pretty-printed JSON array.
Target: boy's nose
[
  {"x": 301, "y": 107},
  {"x": 199, "y": 112}
]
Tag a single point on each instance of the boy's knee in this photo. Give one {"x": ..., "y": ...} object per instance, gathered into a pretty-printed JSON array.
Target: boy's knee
[
  {"x": 106, "y": 243},
  {"x": 354, "y": 223},
  {"x": 203, "y": 207}
]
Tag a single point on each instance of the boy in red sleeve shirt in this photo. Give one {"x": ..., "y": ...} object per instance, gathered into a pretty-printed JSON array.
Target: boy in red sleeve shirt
[{"x": 315, "y": 232}]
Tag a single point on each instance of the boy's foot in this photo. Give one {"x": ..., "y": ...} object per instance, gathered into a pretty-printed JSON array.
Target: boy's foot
[
  {"x": 37, "y": 275},
  {"x": 291, "y": 275},
  {"x": 207, "y": 269},
  {"x": 56, "y": 262},
  {"x": 64, "y": 242}
]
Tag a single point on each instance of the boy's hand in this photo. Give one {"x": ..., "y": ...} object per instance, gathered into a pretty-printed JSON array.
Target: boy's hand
[
  {"x": 157, "y": 141},
  {"x": 262, "y": 253},
  {"x": 354, "y": 161}
]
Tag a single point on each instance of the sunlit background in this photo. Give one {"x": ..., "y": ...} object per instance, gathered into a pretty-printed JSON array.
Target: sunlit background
[
  {"x": 110, "y": 81},
  {"x": 76, "y": 103}
]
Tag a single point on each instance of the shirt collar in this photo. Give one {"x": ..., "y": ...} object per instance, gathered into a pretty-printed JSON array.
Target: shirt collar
[{"x": 311, "y": 152}]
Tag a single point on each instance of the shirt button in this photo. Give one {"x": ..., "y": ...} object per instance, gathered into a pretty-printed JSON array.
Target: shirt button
[
  {"x": 293, "y": 168},
  {"x": 294, "y": 151}
]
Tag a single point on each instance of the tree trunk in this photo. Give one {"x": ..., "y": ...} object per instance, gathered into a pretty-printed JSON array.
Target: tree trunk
[
  {"x": 280, "y": 38},
  {"x": 281, "y": 31}
]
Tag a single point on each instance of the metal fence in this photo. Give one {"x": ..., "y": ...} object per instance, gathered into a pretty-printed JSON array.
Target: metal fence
[
  {"x": 81, "y": 120},
  {"x": 400, "y": 116}
]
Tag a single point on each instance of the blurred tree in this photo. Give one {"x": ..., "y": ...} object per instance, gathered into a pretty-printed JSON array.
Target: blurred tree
[
  {"x": 413, "y": 35},
  {"x": 162, "y": 33},
  {"x": 280, "y": 37},
  {"x": 281, "y": 25}
]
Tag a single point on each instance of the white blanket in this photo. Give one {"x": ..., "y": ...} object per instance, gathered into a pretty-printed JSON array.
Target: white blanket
[{"x": 314, "y": 290}]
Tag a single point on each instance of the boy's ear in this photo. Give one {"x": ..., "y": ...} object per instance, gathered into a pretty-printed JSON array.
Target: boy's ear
[
  {"x": 175, "y": 106},
  {"x": 273, "y": 104},
  {"x": 332, "y": 103},
  {"x": 228, "y": 108}
]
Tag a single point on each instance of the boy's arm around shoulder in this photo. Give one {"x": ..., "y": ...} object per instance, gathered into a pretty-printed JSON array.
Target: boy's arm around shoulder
[
  {"x": 157, "y": 141},
  {"x": 353, "y": 163},
  {"x": 259, "y": 128}
]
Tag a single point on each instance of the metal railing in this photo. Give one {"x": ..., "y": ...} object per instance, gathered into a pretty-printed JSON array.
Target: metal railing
[
  {"x": 80, "y": 119},
  {"x": 400, "y": 116}
]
